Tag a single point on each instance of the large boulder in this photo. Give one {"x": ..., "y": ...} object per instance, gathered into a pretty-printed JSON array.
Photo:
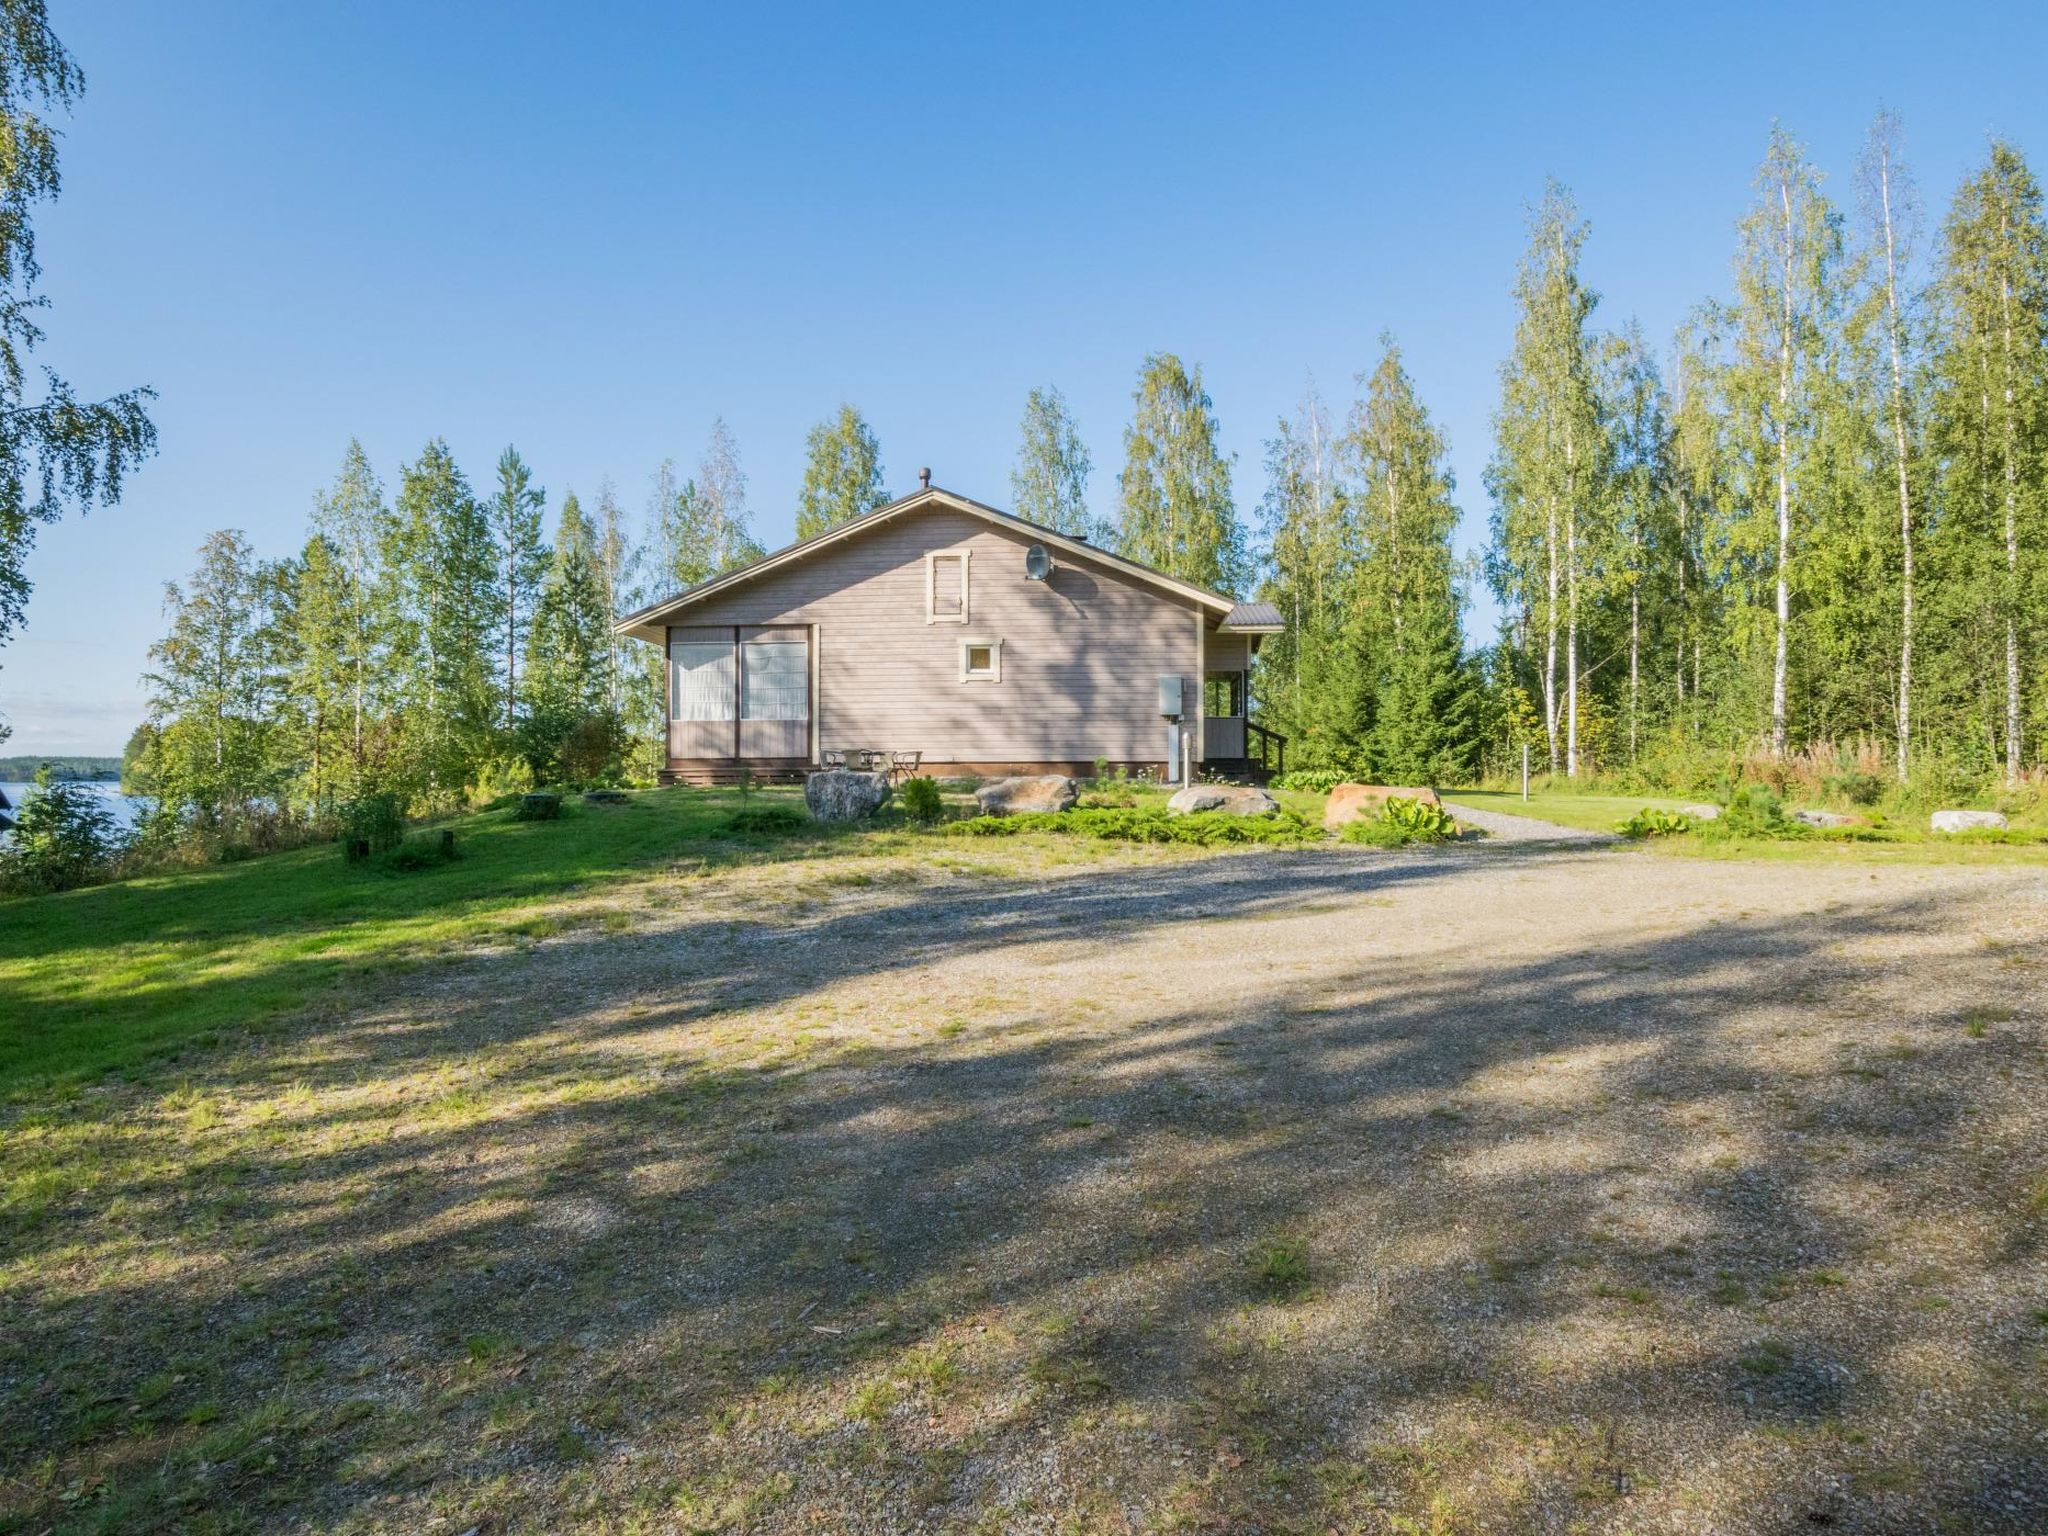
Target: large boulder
[
  {"x": 1348, "y": 802},
  {"x": 1230, "y": 799},
  {"x": 1032, "y": 792},
  {"x": 1967, "y": 821},
  {"x": 845, "y": 794},
  {"x": 1701, "y": 812},
  {"x": 1808, "y": 818}
]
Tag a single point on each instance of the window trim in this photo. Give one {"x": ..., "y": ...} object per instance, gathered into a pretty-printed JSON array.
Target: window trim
[
  {"x": 994, "y": 674},
  {"x": 931, "y": 585}
]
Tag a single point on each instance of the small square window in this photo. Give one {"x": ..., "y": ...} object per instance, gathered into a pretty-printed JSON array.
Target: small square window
[{"x": 981, "y": 661}]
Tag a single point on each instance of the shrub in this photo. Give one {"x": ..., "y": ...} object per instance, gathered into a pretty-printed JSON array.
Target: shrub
[
  {"x": 1854, "y": 786},
  {"x": 1313, "y": 781},
  {"x": 921, "y": 800},
  {"x": 418, "y": 853},
  {"x": 539, "y": 806},
  {"x": 1754, "y": 810},
  {"x": 1651, "y": 822},
  {"x": 375, "y": 820},
  {"x": 64, "y": 836},
  {"x": 1206, "y": 829}
]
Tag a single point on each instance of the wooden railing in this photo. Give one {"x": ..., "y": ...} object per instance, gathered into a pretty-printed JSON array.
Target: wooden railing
[{"x": 1266, "y": 748}]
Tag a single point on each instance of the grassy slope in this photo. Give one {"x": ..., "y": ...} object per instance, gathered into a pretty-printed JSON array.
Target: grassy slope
[{"x": 104, "y": 977}]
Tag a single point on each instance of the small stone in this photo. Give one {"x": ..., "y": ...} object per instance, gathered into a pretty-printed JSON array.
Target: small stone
[
  {"x": 1348, "y": 802},
  {"x": 1023, "y": 795},
  {"x": 1967, "y": 821},
  {"x": 1229, "y": 799},
  {"x": 1701, "y": 812},
  {"x": 845, "y": 794}
]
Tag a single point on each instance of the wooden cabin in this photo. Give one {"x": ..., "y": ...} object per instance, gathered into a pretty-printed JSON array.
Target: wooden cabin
[{"x": 984, "y": 643}]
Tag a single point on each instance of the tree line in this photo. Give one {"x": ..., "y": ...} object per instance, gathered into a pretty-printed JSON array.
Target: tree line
[{"x": 1814, "y": 524}]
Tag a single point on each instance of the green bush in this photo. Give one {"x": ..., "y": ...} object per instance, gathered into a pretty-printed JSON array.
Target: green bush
[
  {"x": 418, "y": 853},
  {"x": 1311, "y": 781},
  {"x": 1651, "y": 822},
  {"x": 921, "y": 800},
  {"x": 376, "y": 820},
  {"x": 541, "y": 805},
  {"x": 64, "y": 836},
  {"x": 1401, "y": 821},
  {"x": 1754, "y": 810},
  {"x": 1206, "y": 829},
  {"x": 1855, "y": 787}
]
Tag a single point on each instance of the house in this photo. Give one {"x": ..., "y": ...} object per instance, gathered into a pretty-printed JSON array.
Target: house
[{"x": 945, "y": 627}]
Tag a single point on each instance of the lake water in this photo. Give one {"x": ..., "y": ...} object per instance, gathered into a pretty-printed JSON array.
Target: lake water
[{"x": 127, "y": 809}]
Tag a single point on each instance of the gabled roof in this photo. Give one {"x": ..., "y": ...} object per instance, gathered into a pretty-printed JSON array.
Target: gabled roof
[{"x": 1224, "y": 608}]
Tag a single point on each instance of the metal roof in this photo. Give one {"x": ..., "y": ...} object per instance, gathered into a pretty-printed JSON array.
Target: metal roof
[{"x": 1254, "y": 617}]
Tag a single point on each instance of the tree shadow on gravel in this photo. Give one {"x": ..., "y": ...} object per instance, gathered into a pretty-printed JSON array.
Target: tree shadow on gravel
[{"x": 908, "y": 1209}]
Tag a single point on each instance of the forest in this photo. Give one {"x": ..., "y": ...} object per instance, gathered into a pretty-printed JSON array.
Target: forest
[{"x": 1801, "y": 539}]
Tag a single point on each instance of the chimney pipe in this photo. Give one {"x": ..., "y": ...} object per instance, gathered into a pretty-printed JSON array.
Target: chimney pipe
[{"x": 924, "y": 479}]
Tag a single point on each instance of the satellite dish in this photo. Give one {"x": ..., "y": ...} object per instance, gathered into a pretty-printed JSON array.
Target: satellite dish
[{"x": 1037, "y": 563}]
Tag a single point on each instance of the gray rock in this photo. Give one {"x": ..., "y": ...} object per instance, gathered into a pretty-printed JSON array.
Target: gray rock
[
  {"x": 1020, "y": 796},
  {"x": 605, "y": 796},
  {"x": 1823, "y": 819},
  {"x": 845, "y": 794},
  {"x": 1230, "y": 799},
  {"x": 1966, "y": 821},
  {"x": 1701, "y": 812}
]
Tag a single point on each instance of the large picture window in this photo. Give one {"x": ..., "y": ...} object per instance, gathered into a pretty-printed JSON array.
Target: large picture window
[
  {"x": 700, "y": 679},
  {"x": 776, "y": 679}
]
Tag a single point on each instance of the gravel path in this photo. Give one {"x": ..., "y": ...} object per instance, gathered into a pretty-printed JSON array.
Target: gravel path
[
  {"x": 1501, "y": 827},
  {"x": 1286, "y": 1191}
]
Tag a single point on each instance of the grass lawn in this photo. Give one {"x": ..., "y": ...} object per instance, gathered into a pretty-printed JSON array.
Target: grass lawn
[
  {"x": 1593, "y": 813},
  {"x": 107, "y": 977},
  {"x": 630, "y": 1175}
]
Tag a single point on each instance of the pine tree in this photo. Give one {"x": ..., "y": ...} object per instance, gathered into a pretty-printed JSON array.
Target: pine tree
[
  {"x": 1174, "y": 505},
  {"x": 1404, "y": 597},
  {"x": 514, "y": 522},
  {"x": 569, "y": 649},
  {"x": 842, "y": 474},
  {"x": 1049, "y": 481}
]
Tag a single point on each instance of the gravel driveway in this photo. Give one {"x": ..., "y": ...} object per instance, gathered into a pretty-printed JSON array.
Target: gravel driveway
[{"x": 1290, "y": 1191}]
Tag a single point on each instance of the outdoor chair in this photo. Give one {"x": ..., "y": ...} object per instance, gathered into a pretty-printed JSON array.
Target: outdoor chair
[
  {"x": 903, "y": 765},
  {"x": 833, "y": 757}
]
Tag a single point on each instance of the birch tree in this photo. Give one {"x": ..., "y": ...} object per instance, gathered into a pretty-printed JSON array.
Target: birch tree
[
  {"x": 1989, "y": 366},
  {"x": 1049, "y": 480},
  {"x": 349, "y": 519},
  {"x": 842, "y": 474},
  {"x": 1174, "y": 506}
]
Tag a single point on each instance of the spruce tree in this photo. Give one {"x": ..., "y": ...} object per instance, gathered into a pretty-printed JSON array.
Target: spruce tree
[
  {"x": 569, "y": 651},
  {"x": 321, "y": 683},
  {"x": 1174, "y": 509},
  {"x": 514, "y": 521},
  {"x": 842, "y": 474}
]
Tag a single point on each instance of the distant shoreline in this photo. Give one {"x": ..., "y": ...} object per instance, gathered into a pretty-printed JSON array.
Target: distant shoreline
[{"x": 22, "y": 768}]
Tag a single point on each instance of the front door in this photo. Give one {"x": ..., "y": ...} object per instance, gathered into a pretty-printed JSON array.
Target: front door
[
  {"x": 739, "y": 693},
  {"x": 1223, "y": 715}
]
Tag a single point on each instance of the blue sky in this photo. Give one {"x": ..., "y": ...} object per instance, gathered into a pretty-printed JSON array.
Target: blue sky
[{"x": 589, "y": 230}]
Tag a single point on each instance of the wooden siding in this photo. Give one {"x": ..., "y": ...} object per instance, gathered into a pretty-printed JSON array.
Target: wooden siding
[{"x": 1082, "y": 653}]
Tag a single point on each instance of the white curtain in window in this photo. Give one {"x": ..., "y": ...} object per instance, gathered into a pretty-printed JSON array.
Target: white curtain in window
[
  {"x": 700, "y": 673},
  {"x": 777, "y": 680}
]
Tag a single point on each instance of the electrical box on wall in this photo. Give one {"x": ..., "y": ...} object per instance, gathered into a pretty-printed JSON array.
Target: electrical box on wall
[{"x": 1170, "y": 704}]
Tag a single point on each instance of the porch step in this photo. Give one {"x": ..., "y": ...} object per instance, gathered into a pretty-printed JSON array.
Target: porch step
[{"x": 708, "y": 777}]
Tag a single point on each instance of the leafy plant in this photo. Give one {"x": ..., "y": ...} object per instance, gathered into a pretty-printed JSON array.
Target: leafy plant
[
  {"x": 375, "y": 820},
  {"x": 1313, "y": 781},
  {"x": 1278, "y": 1265},
  {"x": 1855, "y": 786},
  {"x": 1401, "y": 821},
  {"x": 1652, "y": 822},
  {"x": 1754, "y": 810},
  {"x": 64, "y": 836},
  {"x": 921, "y": 800}
]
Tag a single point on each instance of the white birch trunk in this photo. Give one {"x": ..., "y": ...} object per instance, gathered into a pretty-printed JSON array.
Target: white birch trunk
[
  {"x": 1778, "y": 665},
  {"x": 1891, "y": 304}
]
